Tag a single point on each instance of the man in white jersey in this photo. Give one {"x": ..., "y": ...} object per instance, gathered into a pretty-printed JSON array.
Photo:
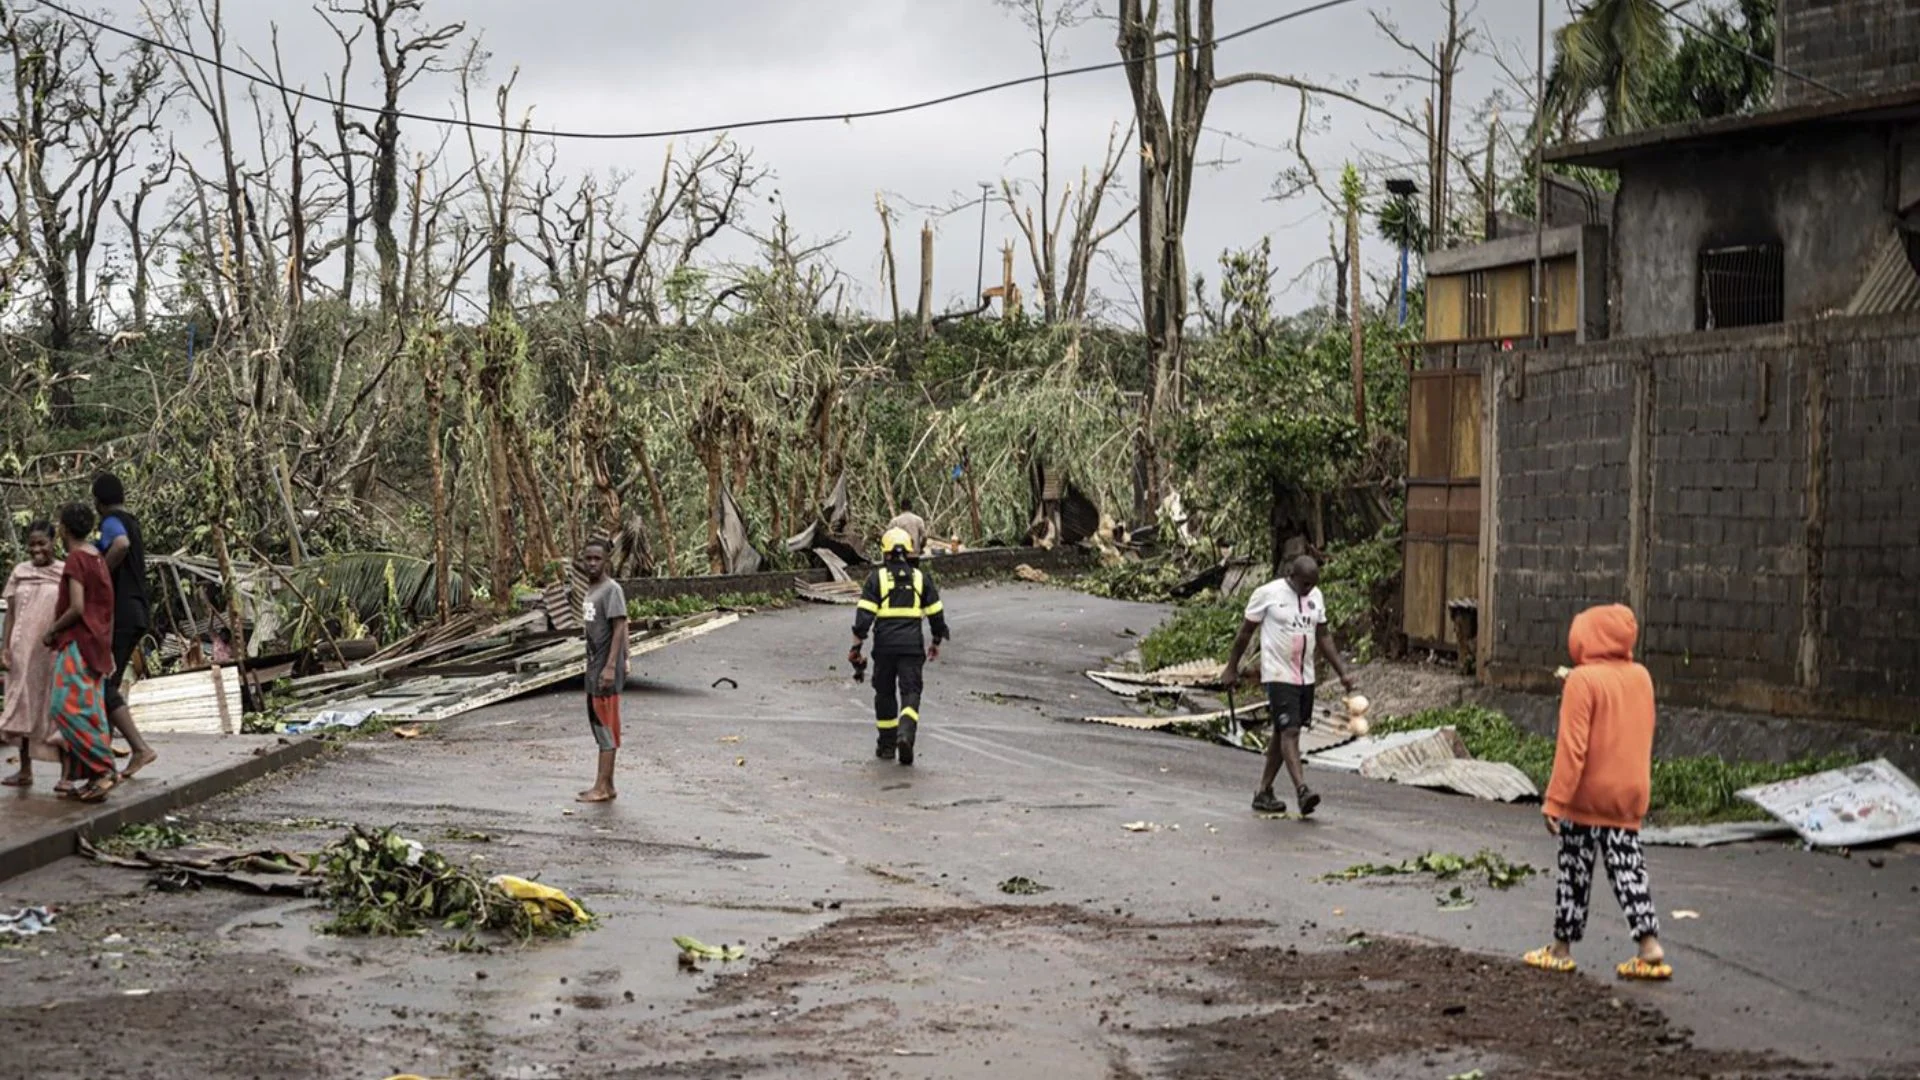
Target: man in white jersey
[{"x": 1290, "y": 616}]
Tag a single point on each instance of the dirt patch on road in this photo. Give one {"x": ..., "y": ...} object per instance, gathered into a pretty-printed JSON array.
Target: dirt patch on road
[
  {"x": 1205, "y": 999},
  {"x": 1381, "y": 1010}
]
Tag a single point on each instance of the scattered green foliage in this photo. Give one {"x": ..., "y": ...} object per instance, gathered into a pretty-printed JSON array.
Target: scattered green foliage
[
  {"x": 1148, "y": 580},
  {"x": 381, "y": 884},
  {"x": 1201, "y": 629},
  {"x": 679, "y": 607},
  {"x": 1699, "y": 790},
  {"x": 1360, "y": 581},
  {"x": 148, "y": 837},
  {"x": 1454, "y": 899},
  {"x": 1022, "y": 886},
  {"x": 1686, "y": 790},
  {"x": 1500, "y": 874}
]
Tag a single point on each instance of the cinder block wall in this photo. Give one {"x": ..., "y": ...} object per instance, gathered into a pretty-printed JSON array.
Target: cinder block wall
[
  {"x": 1855, "y": 46},
  {"x": 1754, "y": 494}
]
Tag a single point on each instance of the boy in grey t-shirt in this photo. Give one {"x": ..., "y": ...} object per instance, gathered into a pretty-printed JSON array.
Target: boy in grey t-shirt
[{"x": 603, "y": 613}]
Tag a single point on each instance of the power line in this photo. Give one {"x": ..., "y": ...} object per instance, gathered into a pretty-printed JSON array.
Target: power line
[
  {"x": 703, "y": 129},
  {"x": 1674, "y": 13}
]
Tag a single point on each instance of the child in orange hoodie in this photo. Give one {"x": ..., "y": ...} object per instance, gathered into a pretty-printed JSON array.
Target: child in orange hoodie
[{"x": 1602, "y": 779}]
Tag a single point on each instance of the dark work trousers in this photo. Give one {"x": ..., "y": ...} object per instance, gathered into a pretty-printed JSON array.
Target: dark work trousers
[{"x": 897, "y": 679}]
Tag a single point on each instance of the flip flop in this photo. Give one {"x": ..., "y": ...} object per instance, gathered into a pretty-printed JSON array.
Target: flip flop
[
  {"x": 17, "y": 781},
  {"x": 1645, "y": 970},
  {"x": 97, "y": 791},
  {"x": 1544, "y": 959}
]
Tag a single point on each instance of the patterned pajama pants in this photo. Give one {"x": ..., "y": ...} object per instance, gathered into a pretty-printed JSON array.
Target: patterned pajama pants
[{"x": 1626, "y": 867}]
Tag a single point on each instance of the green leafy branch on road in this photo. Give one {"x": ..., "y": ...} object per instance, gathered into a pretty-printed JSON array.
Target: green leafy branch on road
[
  {"x": 1686, "y": 790},
  {"x": 379, "y": 883},
  {"x": 1500, "y": 874}
]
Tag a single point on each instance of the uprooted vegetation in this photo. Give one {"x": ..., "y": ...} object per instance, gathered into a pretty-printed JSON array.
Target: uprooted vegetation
[
  {"x": 379, "y": 883},
  {"x": 1686, "y": 790},
  {"x": 375, "y": 882}
]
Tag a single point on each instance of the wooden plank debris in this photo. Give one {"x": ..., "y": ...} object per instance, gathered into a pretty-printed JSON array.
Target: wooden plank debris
[
  {"x": 202, "y": 702},
  {"x": 532, "y": 661}
]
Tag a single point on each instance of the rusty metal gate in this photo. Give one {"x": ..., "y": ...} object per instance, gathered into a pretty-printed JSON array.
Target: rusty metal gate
[{"x": 1442, "y": 545}]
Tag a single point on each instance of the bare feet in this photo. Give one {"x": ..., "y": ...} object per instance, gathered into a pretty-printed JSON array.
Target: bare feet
[
  {"x": 140, "y": 761},
  {"x": 595, "y": 794}
]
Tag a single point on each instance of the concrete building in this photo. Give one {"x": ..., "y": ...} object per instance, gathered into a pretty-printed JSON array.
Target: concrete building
[{"x": 1739, "y": 458}]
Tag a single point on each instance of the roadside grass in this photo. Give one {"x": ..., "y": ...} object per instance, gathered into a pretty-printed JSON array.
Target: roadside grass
[
  {"x": 1686, "y": 790},
  {"x": 679, "y": 607}
]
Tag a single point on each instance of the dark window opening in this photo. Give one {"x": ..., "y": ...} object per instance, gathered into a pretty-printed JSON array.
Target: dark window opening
[{"x": 1741, "y": 286}]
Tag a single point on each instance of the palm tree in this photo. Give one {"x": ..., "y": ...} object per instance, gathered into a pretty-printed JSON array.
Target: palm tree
[{"x": 1612, "y": 52}]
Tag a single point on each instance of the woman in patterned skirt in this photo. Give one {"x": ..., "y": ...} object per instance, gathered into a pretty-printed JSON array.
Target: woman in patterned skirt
[{"x": 82, "y": 642}]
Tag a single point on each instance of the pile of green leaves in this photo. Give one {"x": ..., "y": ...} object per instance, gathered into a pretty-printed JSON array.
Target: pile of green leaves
[
  {"x": 150, "y": 837},
  {"x": 1202, "y": 629},
  {"x": 381, "y": 884},
  {"x": 1148, "y": 581},
  {"x": 1444, "y": 866},
  {"x": 1023, "y": 886},
  {"x": 1686, "y": 790}
]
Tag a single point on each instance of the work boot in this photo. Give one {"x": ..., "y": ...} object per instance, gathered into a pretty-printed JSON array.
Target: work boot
[
  {"x": 1309, "y": 802},
  {"x": 883, "y": 750},
  {"x": 909, "y": 727},
  {"x": 1266, "y": 803}
]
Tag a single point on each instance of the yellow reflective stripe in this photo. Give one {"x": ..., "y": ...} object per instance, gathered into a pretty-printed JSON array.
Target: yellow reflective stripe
[
  {"x": 910, "y": 714},
  {"x": 886, "y": 725},
  {"x": 887, "y": 610},
  {"x": 936, "y": 608},
  {"x": 868, "y": 605}
]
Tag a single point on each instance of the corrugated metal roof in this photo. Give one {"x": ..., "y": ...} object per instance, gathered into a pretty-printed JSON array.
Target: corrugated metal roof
[
  {"x": 1493, "y": 780},
  {"x": 1891, "y": 285}
]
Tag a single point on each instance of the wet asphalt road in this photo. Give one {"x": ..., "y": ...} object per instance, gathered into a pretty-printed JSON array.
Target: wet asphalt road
[{"x": 757, "y": 814}]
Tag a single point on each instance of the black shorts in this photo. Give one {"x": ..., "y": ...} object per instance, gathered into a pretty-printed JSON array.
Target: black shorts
[
  {"x": 123, "y": 646},
  {"x": 1289, "y": 705}
]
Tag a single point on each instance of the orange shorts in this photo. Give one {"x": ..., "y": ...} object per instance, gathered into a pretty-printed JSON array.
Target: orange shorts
[{"x": 603, "y": 719}]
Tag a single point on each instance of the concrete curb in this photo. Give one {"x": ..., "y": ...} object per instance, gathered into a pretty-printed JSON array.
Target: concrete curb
[{"x": 56, "y": 842}]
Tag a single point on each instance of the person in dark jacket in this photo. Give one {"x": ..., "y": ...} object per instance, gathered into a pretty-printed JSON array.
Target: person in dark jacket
[
  {"x": 896, "y": 597},
  {"x": 125, "y": 553}
]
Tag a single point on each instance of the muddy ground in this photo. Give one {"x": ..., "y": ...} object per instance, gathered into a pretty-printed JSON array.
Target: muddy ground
[{"x": 878, "y": 941}]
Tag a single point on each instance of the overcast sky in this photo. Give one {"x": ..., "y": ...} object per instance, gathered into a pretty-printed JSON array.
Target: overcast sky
[{"x": 650, "y": 64}]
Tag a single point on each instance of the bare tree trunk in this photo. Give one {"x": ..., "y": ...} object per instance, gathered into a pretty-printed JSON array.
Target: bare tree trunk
[
  {"x": 661, "y": 522},
  {"x": 886, "y": 248},
  {"x": 1356, "y": 319}
]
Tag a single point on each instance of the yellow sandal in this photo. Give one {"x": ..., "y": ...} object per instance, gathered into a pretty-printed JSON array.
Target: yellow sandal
[
  {"x": 1544, "y": 959},
  {"x": 1650, "y": 971}
]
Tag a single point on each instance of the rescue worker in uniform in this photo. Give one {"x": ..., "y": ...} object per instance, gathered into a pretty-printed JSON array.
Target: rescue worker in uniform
[{"x": 894, "y": 600}]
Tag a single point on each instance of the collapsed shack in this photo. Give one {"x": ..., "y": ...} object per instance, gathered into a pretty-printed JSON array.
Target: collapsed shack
[
  {"x": 300, "y": 647},
  {"x": 471, "y": 662}
]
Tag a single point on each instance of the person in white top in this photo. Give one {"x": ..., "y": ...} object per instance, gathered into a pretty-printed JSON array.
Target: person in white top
[
  {"x": 1290, "y": 616},
  {"x": 914, "y": 525}
]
